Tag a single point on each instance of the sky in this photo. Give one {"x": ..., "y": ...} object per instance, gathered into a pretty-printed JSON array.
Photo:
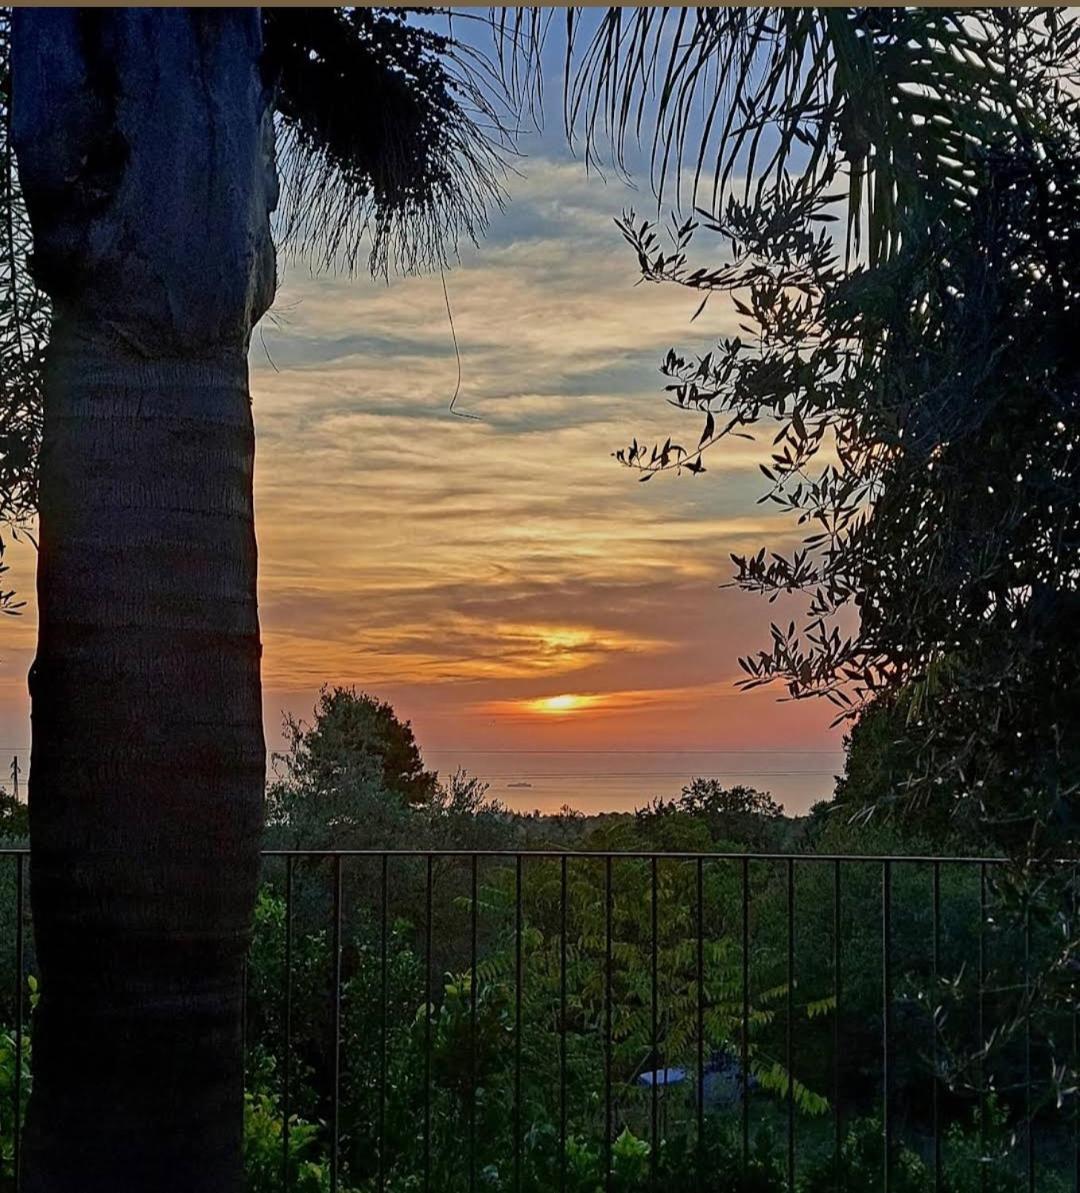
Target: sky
[{"x": 541, "y": 617}]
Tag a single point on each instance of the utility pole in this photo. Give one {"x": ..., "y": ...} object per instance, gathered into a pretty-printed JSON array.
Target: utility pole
[{"x": 15, "y": 774}]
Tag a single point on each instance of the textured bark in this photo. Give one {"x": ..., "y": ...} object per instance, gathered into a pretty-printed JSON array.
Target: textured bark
[{"x": 145, "y": 147}]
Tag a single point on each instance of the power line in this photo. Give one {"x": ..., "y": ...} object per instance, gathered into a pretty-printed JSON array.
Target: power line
[
  {"x": 585, "y": 776},
  {"x": 544, "y": 750},
  {"x": 617, "y": 750},
  {"x": 605, "y": 750}
]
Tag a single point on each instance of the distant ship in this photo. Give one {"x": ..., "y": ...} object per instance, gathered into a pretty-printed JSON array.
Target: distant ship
[{"x": 519, "y": 784}]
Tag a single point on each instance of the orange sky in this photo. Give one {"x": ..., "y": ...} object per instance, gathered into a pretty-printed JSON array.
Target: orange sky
[{"x": 468, "y": 569}]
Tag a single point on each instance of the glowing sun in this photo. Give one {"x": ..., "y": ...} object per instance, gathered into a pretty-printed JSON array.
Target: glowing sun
[{"x": 562, "y": 704}]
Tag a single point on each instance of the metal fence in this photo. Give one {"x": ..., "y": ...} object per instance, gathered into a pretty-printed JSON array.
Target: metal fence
[{"x": 810, "y": 990}]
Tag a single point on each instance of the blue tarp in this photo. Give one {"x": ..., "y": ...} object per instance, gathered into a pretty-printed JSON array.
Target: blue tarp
[{"x": 662, "y": 1077}]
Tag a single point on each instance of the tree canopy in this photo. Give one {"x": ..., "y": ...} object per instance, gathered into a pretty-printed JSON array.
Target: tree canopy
[
  {"x": 923, "y": 412},
  {"x": 356, "y": 734}
]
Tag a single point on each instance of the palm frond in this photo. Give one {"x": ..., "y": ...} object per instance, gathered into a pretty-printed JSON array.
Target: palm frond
[
  {"x": 902, "y": 100},
  {"x": 698, "y": 84},
  {"x": 389, "y": 134}
]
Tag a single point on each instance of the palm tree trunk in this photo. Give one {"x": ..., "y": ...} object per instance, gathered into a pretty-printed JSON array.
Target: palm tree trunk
[{"x": 145, "y": 152}]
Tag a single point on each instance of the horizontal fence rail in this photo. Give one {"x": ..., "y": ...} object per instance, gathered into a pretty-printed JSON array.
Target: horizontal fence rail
[{"x": 534, "y": 1021}]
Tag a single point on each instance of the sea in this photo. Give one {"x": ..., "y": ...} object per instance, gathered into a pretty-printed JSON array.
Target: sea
[{"x": 594, "y": 781}]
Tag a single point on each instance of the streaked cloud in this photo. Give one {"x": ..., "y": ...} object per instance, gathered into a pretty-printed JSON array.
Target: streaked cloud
[{"x": 473, "y": 568}]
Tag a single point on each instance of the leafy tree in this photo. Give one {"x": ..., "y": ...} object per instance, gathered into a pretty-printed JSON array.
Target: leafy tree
[
  {"x": 355, "y": 779},
  {"x": 24, "y": 320},
  {"x": 937, "y": 122},
  {"x": 729, "y": 814},
  {"x": 13, "y": 816},
  {"x": 708, "y": 797},
  {"x": 923, "y": 411},
  {"x": 354, "y": 733},
  {"x": 880, "y": 779},
  {"x": 356, "y": 812}
]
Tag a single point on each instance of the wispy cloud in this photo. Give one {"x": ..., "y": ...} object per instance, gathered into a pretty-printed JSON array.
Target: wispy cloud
[{"x": 469, "y": 566}]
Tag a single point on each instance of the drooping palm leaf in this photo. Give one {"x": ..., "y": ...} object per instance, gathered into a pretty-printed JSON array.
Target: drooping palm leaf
[
  {"x": 389, "y": 134},
  {"x": 902, "y": 99}
]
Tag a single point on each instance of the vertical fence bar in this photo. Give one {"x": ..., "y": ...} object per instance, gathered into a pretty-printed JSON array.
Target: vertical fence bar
[
  {"x": 286, "y": 1023},
  {"x": 562, "y": 1023},
  {"x": 609, "y": 915},
  {"x": 789, "y": 1041},
  {"x": 654, "y": 1029},
  {"x": 935, "y": 972},
  {"x": 473, "y": 992},
  {"x": 836, "y": 974},
  {"x": 335, "y": 1090},
  {"x": 886, "y": 1023},
  {"x": 1073, "y": 903},
  {"x": 745, "y": 1041},
  {"x": 244, "y": 1017},
  {"x": 384, "y": 973},
  {"x": 700, "y": 1026},
  {"x": 428, "y": 996},
  {"x": 1029, "y": 1113},
  {"x": 518, "y": 927},
  {"x": 981, "y": 1016},
  {"x": 16, "y": 1121}
]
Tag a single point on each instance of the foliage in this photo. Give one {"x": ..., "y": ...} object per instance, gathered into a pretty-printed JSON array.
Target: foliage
[
  {"x": 24, "y": 320},
  {"x": 443, "y": 1025},
  {"x": 265, "y": 1158},
  {"x": 355, "y": 779},
  {"x": 417, "y": 1015},
  {"x": 472, "y": 1046},
  {"x": 923, "y": 411},
  {"x": 355, "y": 734},
  {"x": 880, "y": 758},
  {"x": 736, "y": 813},
  {"x": 14, "y": 1059},
  {"x": 14, "y": 817}
]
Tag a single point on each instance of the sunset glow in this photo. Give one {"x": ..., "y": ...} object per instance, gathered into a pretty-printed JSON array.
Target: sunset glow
[
  {"x": 498, "y": 578},
  {"x": 562, "y": 704}
]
